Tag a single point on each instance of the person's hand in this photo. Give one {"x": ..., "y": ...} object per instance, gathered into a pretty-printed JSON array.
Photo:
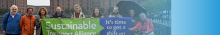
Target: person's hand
[
  {"x": 113, "y": 16},
  {"x": 82, "y": 17},
  {"x": 40, "y": 20},
  {"x": 146, "y": 32},
  {"x": 92, "y": 17},
  {"x": 59, "y": 17},
  {"x": 133, "y": 21},
  {"x": 4, "y": 32},
  {"x": 72, "y": 18},
  {"x": 102, "y": 17},
  {"x": 130, "y": 29}
]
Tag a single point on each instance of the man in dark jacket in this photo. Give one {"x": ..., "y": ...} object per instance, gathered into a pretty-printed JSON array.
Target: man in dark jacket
[{"x": 59, "y": 14}]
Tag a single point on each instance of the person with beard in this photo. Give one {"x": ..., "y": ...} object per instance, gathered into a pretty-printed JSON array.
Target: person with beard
[
  {"x": 10, "y": 22},
  {"x": 115, "y": 13},
  {"x": 59, "y": 14},
  {"x": 27, "y": 23}
]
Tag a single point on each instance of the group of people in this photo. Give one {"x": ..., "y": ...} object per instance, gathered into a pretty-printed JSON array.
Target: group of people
[
  {"x": 14, "y": 23},
  {"x": 141, "y": 25}
]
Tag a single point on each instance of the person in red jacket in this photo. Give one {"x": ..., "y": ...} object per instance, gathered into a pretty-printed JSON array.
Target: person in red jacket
[
  {"x": 144, "y": 26},
  {"x": 27, "y": 23}
]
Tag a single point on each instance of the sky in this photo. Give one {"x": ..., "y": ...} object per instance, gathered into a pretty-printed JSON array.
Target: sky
[{"x": 38, "y": 2}]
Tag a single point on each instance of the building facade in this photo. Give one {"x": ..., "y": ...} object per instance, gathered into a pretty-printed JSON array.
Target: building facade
[
  {"x": 22, "y": 5},
  {"x": 88, "y": 4}
]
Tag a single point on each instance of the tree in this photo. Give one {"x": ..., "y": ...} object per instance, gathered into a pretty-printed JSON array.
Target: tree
[
  {"x": 101, "y": 10},
  {"x": 157, "y": 5},
  {"x": 72, "y": 9},
  {"x": 2, "y": 11},
  {"x": 110, "y": 9},
  {"x": 93, "y": 8},
  {"x": 67, "y": 10},
  {"x": 84, "y": 9}
]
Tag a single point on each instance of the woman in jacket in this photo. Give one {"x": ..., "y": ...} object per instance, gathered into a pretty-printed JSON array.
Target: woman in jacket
[
  {"x": 42, "y": 13},
  {"x": 96, "y": 13},
  {"x": 144, "y": 25},
  {"x": 78, "y": 13}
]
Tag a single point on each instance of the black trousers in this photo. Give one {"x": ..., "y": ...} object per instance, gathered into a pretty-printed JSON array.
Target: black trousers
[
  {"x": 41, "y": 31},
  {"x": 12, "y": 34}
]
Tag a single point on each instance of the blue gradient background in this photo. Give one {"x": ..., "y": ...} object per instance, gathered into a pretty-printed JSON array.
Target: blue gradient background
[{"x": 195, "y": 17}]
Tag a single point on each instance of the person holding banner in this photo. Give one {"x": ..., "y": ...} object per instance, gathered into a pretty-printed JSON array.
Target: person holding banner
[
  {"x": 59, "y": 14},
  {"x": 78, "y": 13},
  {"x": 42, "y": 13},
  {"x": 96, "y": 13},
  {"x": 115, "y": 13},
  {"x": 145, "y": 26},
  {"x": 27, "y": 23},
  {"x": 10, "y": 22}
]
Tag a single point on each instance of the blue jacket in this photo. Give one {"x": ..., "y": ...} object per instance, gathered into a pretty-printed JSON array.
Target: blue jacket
[
  {"x": 12, "y": 24},
  {"x": 61, "y": 15}
]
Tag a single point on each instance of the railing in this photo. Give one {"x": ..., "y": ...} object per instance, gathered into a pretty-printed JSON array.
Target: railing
[{"x": 1, "y": 24}]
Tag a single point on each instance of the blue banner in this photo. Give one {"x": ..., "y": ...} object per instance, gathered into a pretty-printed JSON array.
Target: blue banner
[{"x": 116, "y": 26}]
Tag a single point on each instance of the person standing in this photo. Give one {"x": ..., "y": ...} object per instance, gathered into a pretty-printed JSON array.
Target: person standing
[
  {"x": 115, "y": 13},
  {"x": 27, "y": 23},
  {"x": 96, "y": 13},
  {"x": 42, "y": 13},
  {"x": 10, "y": 22},
  {"x": 59, "y": 14},
  {"x": 78, "y": 13},
  {"x": 144, "y": 25}
]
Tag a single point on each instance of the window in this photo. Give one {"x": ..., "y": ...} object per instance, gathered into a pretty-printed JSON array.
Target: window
[
  {"x": 52, "y": 4},
  {"x": 68, "y": 0},
  {"x": 87, "y": 7},
  {"x": 52, "y": 1},
  {"x": 73, "y": 4},
  {"x": 63, "y": 3},
  {"x": 53, "y": 12},
  {"x": 58, "y": 4},
  {"x": 109, "y": 4},
  {"x": 57, "y": 1},
  {"x": 52, "y": 8},
  {"x": 103, "y": 3},
  {"x": 7, "y": 6},
  {"x": 63, "y": 0},
  {"x": 63, "y": 7},
  {"x": 68, "y": 4},
  {"x": 11, "y": 1}
]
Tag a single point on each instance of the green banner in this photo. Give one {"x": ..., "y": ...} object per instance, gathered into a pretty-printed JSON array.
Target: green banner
[{"x": 67, "y": 26}]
